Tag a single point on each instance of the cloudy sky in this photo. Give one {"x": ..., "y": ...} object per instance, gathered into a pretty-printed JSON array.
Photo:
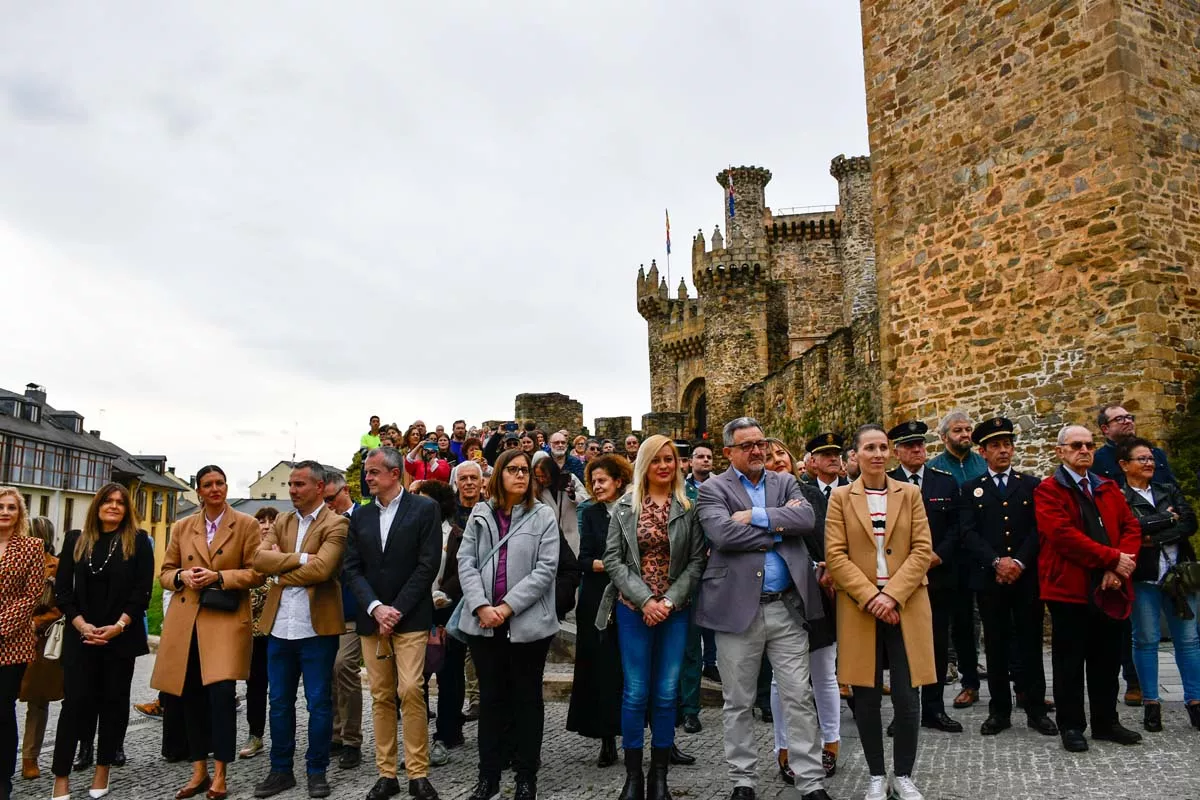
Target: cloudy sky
[{"x": 228, "y": 226}]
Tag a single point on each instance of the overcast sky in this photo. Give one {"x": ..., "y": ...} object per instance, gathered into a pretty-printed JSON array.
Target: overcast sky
[{"x": 224, "y": 226}]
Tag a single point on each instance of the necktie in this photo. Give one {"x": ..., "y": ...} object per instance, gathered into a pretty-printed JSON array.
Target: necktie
[
  {"x": 1086, "y": 487},
  {"x": 1000, "y": 481},
  {"x": 915, "y": 478},
  {"x": 828, "y": 491}
]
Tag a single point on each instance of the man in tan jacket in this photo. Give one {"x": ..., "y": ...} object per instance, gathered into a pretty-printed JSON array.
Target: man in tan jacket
[{"x": 302, "y": 557}]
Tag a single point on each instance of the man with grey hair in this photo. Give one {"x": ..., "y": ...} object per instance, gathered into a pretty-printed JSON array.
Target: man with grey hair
[
  {"x": 958, "y": 458},
  {"x": 759, "y": 592}
]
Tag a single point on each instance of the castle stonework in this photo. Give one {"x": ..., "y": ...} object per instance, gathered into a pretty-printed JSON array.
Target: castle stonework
[
  {"x": 1037, "y": 195},
  {"x": 774, "y": 291}
]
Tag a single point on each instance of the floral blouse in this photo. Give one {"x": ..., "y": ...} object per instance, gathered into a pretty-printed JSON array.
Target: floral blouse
[
  {"x": 258, "y": 601},
  {"x": 654, "y": 546}
]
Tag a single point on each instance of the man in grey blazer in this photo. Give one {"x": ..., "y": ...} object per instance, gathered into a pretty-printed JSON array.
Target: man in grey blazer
[{"x": 758, "y": 592}]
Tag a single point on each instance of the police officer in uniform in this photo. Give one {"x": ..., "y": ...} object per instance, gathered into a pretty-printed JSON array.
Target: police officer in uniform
[
  {"x": 943, "y": 505},
  {"x": 1002, "y": 545}
]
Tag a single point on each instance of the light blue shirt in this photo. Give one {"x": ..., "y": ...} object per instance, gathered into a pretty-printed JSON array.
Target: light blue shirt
[{"x": 776, "y": 577}]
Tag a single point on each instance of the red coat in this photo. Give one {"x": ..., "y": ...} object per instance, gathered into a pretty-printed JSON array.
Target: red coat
[
  {"x": 421, "y": 471},
  {"x": 1068, "y": 556}
]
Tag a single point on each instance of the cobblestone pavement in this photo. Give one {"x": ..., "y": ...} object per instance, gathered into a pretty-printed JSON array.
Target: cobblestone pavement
[{"x": 1016, "y": 764}]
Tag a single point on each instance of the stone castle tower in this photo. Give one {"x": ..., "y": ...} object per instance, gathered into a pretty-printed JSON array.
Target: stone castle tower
[
  {"x": 1037, "y": 207},
  {"x": 773, "y": 291}
]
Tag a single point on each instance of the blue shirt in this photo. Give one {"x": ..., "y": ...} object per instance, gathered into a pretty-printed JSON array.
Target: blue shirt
[
  {"x": 970, "y": 468},
  {"x": 776, "y": 577}
]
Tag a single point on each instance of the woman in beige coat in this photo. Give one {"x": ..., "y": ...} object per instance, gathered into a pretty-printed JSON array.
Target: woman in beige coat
[
  {"x": 878, "y": 548},
  {"x": 205, "y": 645}
]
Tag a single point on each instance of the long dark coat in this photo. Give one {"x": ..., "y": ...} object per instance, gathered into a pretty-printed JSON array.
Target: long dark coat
[{"x": 595, "y": 709}]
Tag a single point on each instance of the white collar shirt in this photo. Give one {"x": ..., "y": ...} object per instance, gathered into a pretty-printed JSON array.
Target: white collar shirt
[
  {"x": 294, "y": 618},
  {"x": 211, "y": 528},
  {"x": 387, "y": 514}
]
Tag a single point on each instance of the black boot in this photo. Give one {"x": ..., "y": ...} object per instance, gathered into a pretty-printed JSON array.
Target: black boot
[
  {"x": 656, "y": 781},
  {"x": 1152, "y": 717},
  {"x": 85, "y": 757},
  {"x": 608, "y": 752},
  {"x": 635, "y": 784}
]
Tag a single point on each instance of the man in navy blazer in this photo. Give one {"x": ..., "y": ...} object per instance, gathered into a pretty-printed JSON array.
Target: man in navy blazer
[
  {"x": 393, "y": 553},
  {"x": 758, "y": 593}
]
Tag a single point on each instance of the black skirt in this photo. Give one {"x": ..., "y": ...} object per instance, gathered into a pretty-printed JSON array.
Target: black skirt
[{"x": 595, "y": 709}]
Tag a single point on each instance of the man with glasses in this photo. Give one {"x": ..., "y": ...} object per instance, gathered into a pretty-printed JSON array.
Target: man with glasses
[
  {"x": 347, "y": 685},
  {"x": 1089, "y": 540},
  {"x": 565, "y": 460},
  {"x": 1118, "y": 425},
  {"x": 393, "y": 555},
  {"x": 759, "y": 591}
]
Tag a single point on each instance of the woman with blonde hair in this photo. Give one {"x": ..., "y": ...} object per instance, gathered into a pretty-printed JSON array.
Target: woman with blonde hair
[
  {"x": 103, "y": 585},
  {"x": 22, "y": 572},
  {"x": 43, "y": 682},
  {"x": 654, "y": 556}
]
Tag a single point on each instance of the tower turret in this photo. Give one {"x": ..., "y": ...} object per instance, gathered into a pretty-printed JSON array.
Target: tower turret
[
  {"x": 857, "y": 242},
  {"x": 749, "y": 202}
]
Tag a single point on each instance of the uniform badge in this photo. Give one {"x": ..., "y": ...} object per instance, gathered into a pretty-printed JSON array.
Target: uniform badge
[
  {"x": 829, "y": 439},
  {"x": 912, "y": 426},
  {"x": 979, "y": 491},
  {"x": 998, "y": 422}
]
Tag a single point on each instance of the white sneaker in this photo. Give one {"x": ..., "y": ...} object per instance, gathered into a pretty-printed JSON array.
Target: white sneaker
[
  {"x": 903, "y": 788},
  {"x": 877, "y": 788}
]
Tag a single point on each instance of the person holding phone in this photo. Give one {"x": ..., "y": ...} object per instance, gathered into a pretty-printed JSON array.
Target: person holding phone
[
  {"x": 206, "y": 640},
  {"x": 427, "y": 464},
  {"x": 562, "y": 491}
]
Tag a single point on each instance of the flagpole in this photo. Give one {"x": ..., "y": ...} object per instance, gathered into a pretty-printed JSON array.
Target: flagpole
[{"x": 667, "y": 213}]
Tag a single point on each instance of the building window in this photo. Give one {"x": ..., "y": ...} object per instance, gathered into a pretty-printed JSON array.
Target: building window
[
  {"x": 89, "y": 471},
  {"x": 68, "y": 513},
  {"x": 140, "y": 503},
  {"x": 171, "y": 507},
  {"x": 28, "y": 501},
  {"x": 156, "y": 510},
  {"x": 44, "y": 506}
]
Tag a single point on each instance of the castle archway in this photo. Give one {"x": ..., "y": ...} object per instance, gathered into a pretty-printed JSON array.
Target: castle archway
[{"x": 695, "y": 405}]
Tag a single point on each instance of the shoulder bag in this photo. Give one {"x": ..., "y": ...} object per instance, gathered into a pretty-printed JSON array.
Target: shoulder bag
[
  {"x": 54, "y": 639},
  {"x": 220, "y": 599},
  {"x": 452, "y": 625}
]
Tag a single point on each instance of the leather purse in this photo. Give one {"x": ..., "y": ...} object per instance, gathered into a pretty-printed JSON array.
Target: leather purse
[{"x": 220, "y": 599}]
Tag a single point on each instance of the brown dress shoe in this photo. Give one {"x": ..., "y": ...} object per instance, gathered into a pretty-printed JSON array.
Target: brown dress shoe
[
  {"x": 966, "y": 698},
  {"x": 29, "y": 769},
  {"x": 1133, "y": 696}
]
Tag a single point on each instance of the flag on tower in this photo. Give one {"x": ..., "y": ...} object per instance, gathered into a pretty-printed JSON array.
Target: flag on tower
[
  {"x": 732, "y": 193},
  {"x": 668, "y": 213}
]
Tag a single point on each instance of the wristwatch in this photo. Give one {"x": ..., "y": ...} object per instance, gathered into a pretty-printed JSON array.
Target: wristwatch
[{"x": 666, "y": 601}]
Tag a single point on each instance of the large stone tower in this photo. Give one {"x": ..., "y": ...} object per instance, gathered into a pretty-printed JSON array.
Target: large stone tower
[{"x": 1036, "y": 173}]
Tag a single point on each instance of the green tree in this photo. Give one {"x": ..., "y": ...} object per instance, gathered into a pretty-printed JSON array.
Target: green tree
[{"x": 352, "y": 476}]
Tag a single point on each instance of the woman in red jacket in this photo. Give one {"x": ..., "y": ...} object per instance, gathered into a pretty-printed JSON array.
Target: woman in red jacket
[
  {"x": 1089, "y": 540},
  {"x": 425, "y": 464}
]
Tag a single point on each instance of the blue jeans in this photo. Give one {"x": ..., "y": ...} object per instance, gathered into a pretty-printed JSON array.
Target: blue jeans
[
  {"x": 650, "y": 657},
  {"x": 287, "y": 661},
  {"x": 1148, "y": 601}
]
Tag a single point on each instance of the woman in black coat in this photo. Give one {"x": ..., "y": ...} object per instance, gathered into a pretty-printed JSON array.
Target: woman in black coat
[{"x": 595, "y": 709}]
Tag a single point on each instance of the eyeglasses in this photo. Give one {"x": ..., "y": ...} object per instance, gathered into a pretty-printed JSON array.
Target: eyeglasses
[
  {"x": 1122, "y": 418},
  {"x": 750, "y": 447},
  {"x": 1081, "y": 445},
  {"x": 1143, "y": 459},
  {"x": 517, "y": 471},
  {"x": 332, "y": 497},
  {"x": 382, "y": 653}
]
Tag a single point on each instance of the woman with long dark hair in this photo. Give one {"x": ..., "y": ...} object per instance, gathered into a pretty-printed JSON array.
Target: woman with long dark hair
[
  {"x": 105, "y": 574},
  {"x": 205, "y": 646},
  {"x": 43, "y": 681},
  {"x": 595, "y": 709}
]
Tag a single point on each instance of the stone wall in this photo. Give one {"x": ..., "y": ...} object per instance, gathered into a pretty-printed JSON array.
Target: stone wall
[
  {"x": 615, "y": 428},
  {"x": 834, "y": 385},
  {"x": 1036, "y": 188},
  {"x": 551, "y": 412},
  {"x": 665, "y": 422}
]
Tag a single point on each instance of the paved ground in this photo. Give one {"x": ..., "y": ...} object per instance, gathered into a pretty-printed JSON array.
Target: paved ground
[{"x": 1016, "y": 764}]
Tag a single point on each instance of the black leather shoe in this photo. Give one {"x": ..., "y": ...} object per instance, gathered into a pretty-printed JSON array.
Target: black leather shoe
[
  {"x": 1116, "y": 733},
  {"x": 422, "y": 789},
  {"x": 275, "y": 783},
  {"x": 485, "y": 790},
  {"x": 350, "y": 758},
  {"x": 525, "y": 789},
  {"x": 336, "y": 748},
  {"x": 680, "y": 758},
  {"x": 785, "y": 771},
  {"x": 85, "y": 758},
  {"x": 712, "y": 673},
  {"x": 1193, "y": 710},
  {"x": 317, "y": 785},
  {"x": 1152, "y": 717},
  {"x": 765, "y": 714},
  {"x": 691, "y": 723},
  {"x": 994, "y": 724},
  {"x": 608, "y": 752},
  {"x": 942, "y": 722},
  {"x": 742, "y": 793},
  {"x": 891, "y": 728},
  {"x": 819, "y": 794},
  {"x": 1074, "y": 742},
  {"x": 383, "y": 789},
  {"x": 119, "y": 759},
  {"x": 1042, "y": 724}
]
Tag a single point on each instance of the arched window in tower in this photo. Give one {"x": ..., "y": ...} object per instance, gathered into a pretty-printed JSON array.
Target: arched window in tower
[{"x": 695, "y": 405}]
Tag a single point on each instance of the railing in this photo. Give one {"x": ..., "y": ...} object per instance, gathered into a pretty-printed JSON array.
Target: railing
[{"x": 783, "y": 212}]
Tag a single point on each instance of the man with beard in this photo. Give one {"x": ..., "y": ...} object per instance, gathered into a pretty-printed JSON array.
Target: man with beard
[
  {"x": 1118, "y": 425},
  {"x": 564, "y": 460},
  {"x": 458, "y": 435}
]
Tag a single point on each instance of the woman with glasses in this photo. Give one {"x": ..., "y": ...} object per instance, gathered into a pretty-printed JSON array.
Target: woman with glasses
[
  {"x": 206, "y": 639},
  {"x": 654, "y": 555},
  {"x": 105, "y": 574},
  {"x": 506, "y": 568},
  {"x": 878, "y": 548},
  {"x": 632, "y": 443},
  {"x": 1167, "y": 521},
  {"x": 579, "y": 447}
]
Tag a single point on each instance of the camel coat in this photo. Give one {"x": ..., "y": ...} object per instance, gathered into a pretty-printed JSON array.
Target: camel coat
[
  {"x": 223, "y": 636},
  {"x": 325, "y": 543},
  {"x": 850, "y": 558}
]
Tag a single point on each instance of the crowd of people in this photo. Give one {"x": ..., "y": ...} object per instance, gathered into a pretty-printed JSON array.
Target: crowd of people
[{"x": 860, "y": 570}]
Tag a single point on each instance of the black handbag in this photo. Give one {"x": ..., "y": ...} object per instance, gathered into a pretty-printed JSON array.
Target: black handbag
[{"x": 220, "y": 599}]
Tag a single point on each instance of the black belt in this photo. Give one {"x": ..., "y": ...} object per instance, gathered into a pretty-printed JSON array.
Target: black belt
[{"x": 771, "y": 597}]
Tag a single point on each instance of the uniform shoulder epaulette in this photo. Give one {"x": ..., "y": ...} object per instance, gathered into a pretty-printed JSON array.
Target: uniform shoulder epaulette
[{"x": 932, "y": 468}]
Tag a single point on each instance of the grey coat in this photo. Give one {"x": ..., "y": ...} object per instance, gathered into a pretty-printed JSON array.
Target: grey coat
[
  {"x": 531, "y": 566},
  {"x": 623, "y": 562},
  {"x": 732, "y": 582}
]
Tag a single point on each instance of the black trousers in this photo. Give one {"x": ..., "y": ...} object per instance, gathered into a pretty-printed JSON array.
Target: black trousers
[
  {"x": 256, "y": 688},
  {"x": 1012, "y": 626},
  {"x": 452, "y": 688},
  {"x": 962, "y": 631},
  {"x": 10, "y": 687},
  {"x": 889, "y": 642},
  {"x": 941, "y": 602},
  {"x": 209, "y": 712},
  {"x": 174, "y": 729},
  {"x": 95, "y": 686},
  {"x": 1084, "y": 641},
  {"x": 511, "y": 709}
]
